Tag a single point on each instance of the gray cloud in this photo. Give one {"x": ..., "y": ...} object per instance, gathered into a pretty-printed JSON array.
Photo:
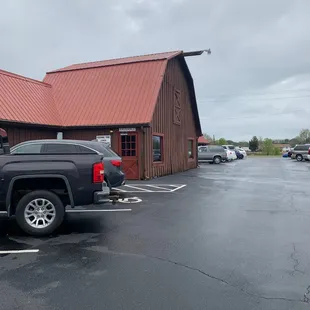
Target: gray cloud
[{"x": 260, "y": 51}]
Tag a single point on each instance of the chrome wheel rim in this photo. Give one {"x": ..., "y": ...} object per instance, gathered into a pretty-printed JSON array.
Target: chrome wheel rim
[
  {"x": 217, "y": 160},
  {"x": 40, "y": 213}
]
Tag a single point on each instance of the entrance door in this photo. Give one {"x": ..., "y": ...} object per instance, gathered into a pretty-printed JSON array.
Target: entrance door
[{"x": 129, "y": 153}]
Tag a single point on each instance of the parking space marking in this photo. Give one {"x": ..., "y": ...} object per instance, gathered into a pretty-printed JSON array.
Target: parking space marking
[
  {"x": 138, "y": 188},
  {"x": 98, "y": 210},
  {"x": 3, "y": 212},
  {"x": 151, "y": 188},
  {"x": 19, "y": 251},
  {"x": 176, "y": 189}
]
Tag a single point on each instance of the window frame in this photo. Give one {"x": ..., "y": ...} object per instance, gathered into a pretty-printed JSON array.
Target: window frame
[
  {"x": 46, "y": 145},
  {"x": 161, "y": 162},
  {"x": 192, "y": 157},
  {"x": 27, "y": 145}
]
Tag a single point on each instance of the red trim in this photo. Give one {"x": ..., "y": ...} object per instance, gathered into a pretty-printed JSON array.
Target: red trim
[
  {"x": 124, "y": 158},
  {"x": 159, "y": 163}
]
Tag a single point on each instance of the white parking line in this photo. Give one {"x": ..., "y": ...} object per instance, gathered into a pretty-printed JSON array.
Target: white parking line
[
  {"x": 140, "y": 189},
  {"x": 154, "y": 186},
  {"x": 98, "y": 210},
  {"x": 151, "y": 188},
  {"x": 92, "y": 210},
  {"x": 176, "y": 189},
  {"x": 19, "y": 251}
]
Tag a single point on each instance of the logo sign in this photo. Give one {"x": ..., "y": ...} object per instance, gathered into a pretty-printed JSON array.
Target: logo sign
[
  {"x": 127, "y": 129},
  {"x": 105, "y": 139}
]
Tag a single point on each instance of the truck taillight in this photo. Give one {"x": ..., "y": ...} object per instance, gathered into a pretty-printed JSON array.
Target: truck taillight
[
  {"x": 309, "y": 151},
  {"x": 98, "y": 172},
  {"x": 116, "y": 162}
]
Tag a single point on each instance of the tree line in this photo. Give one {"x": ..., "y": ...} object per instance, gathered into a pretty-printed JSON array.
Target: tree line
[{"x": 265, "y": 145}]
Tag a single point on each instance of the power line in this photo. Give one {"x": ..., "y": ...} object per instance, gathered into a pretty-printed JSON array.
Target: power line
[
  {"x": 260, "y": 94},
  {"x": 260, "y": 99},
  {"x": 255, "y": 116}
]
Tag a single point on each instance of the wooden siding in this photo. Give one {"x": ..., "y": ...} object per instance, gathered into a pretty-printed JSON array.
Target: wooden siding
[
  {"x": 176, "y": 134},
  {"x": 17, "y": 134},
  {"x": 90, "y": 134}
]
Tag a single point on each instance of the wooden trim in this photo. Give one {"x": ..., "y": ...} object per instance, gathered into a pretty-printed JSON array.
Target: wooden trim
[{"x": 159, "y": 163}]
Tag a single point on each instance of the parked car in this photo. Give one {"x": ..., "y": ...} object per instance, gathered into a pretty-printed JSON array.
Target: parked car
[
  {"x": 229, "y": 147},
  {"x": 231, "y": 155},
  {"x": 113, "y": 173},
  {"x": 36, "y": 188},
  {"x": 238, "y": 154},
  {"x": 242, "y": 151},
  {"x": 300, "y": 152},
  {"x": 212, "y": 153}
]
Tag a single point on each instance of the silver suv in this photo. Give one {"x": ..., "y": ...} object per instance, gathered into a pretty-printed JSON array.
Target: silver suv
[
  {"x": 213, "y": 153},
  {"x": 300, "y": 152}
]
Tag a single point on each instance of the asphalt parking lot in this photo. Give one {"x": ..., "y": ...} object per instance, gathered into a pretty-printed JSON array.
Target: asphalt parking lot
[{"x": 229, "y": 236}]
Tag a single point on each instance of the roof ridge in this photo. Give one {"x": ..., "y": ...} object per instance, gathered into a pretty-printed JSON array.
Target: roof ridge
[
  {"x": 21, "y": 77},
  {"x": 69, "y": 68}
]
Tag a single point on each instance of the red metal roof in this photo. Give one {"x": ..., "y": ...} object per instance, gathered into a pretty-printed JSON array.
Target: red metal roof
[
  {"x": 202, "y": 139},
  {"x": 120, "y": 61},
  {"x": 113, "y": 92},
  {"x": 25, "y": 100}
]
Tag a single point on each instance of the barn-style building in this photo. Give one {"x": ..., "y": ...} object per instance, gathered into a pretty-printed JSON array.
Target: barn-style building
[{"x": 144, "y": 107}]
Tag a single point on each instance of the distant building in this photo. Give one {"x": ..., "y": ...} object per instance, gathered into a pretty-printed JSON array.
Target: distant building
[
  {"x": 203, "y": 141},
  {"x": 284, "y": 147}
]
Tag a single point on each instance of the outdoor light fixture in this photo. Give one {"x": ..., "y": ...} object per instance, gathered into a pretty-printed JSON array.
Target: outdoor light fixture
[{"x": 196, "y": 53}]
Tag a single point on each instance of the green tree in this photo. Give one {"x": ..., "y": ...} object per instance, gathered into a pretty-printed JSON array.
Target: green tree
[
  {"x": 243, "y": 143},
  {"x": 268, "y": 148},
  {"x": 304, "y": 136},
  {"x": 221, "y": 141},
  {"x": 260, "y": 143},
  {"x": 254, "y": 144}
]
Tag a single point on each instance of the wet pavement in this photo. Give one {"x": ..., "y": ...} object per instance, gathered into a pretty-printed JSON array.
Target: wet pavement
[{"x": 235, "y": 237}]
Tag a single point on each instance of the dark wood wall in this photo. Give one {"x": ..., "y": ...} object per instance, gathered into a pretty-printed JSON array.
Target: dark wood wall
[
  {"x": 90, "y": 134},
  {"x": 17, "y": 134},
  {"x": 176, "y": 132}
]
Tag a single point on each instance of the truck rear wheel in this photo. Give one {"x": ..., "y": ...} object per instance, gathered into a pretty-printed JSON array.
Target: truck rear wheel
[{"x": 40, "y": 213}]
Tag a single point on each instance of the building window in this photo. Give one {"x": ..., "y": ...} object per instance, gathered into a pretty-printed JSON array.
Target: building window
[
  {"x": 157, "y": 148},
  {"x": 190, "y": 148},
  {"x": 129, "y": 145}
]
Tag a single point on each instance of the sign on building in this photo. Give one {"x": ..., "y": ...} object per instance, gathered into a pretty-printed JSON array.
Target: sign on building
[
  {"x": 127, "y": 129},
  {"x": 105, "y": 139}
]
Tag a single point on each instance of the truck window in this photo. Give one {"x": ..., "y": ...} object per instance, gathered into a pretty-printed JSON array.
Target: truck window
[
  {"x": 60, "y": 148},
  {"x": 33, "y": 148}
]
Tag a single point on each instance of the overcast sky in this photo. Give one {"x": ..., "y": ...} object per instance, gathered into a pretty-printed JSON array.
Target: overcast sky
[{"x": 255, "y": 82}]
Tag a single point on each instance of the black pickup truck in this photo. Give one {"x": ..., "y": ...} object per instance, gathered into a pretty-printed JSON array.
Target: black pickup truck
[{"x": 37, "y": 188}]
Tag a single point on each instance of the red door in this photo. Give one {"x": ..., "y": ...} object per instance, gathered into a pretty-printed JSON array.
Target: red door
[{"x": 129, "y": 153}]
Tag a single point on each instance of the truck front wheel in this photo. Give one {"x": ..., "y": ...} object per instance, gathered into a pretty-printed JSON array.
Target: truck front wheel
[{"x": 40, "y": 213}]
